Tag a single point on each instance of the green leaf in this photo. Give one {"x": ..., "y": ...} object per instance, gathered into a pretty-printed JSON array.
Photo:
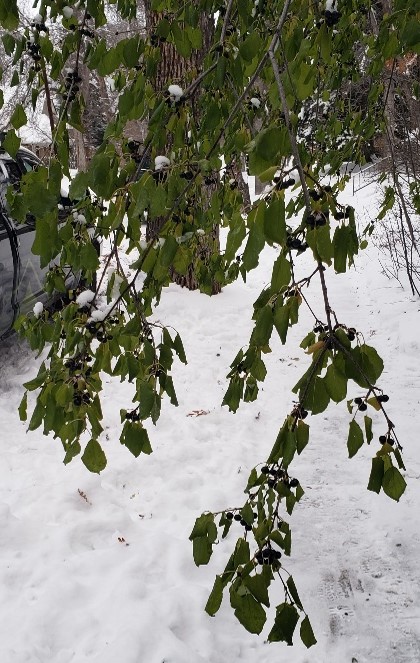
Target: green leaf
[
  {"x": 179, "y": 348},
  {"x": 288, "y": 543},
  {"x": 89, "y": 257},
  {"x": 293, "y": 592},
  {"x": 316, "y": 398},
  {"x": 9, "y": 15},
  {"x": 18, "y": 118},
  {"x": 11, "y": 143},
  {"x": 306, "y": 633},
  {"x": 335, "y": 383},
  {"x": 272, "y": 143},
  {"x": 93, "y": 457},
  {"x": 410, "y": 37},
  {"x": 147, "y": 397},
  {"x": 136, "y": 438},
  {"x": 263, "y": 327},
  {"x": 368, "y": 429},
  {"x": 241, "y": 554},
  {"x": 398, "y": 458},
  {"x": 320, "y": 242},
  {"x": 202, "y": 551},
  {"x": 234, "y": 393},
  {"x": 203, "y": 535},
  {"x": 302, "y": 436},
  {"x": 250, "y": 613},
  {"x": 23, "y": 415},
  {"x": 376, "y": 475},
  {"x": 64, "y": 394},
  {"x": 355, "y": 438},
  {"x": 393, "y": 483},
  {"x": 251, "y": 46},
  {"x": 289, "y": 448},
  {"x": 364, "y": 363},
  {"x": 256, "y": 241},
  {"x": 284, "y": 624},
  {"x": 258, "y": 586},
  {"x": 9, "y": 43},
  {"x": 37, "y": 416},
  {"x": 340, "y": 244},
  {"x": 280, "y": 277},
  {"x": 274, "y": 222},
  {"x": 215, "y": 599},
  {"x": 281, "y": 321}
]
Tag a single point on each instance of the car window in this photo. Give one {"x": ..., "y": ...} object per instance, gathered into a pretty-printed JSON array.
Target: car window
[{"x": 27, "y": 165}]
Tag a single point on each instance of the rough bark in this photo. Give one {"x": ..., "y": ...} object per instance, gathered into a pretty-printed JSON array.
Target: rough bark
[{"x": 174, "y": 69}]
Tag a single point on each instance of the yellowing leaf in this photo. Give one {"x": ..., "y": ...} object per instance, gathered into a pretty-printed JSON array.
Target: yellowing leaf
[
  {"x": 374, "y": 403},
  {"x": 313, "y": 348}
]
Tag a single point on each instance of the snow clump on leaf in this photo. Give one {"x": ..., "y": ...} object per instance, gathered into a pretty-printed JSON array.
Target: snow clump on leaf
[
  {"x": 67, "y": 12},
  {"x": 161, "y": 162},
  {"x": 85, "y": 298},
  {"x": 175, "y": 92},
  {"x": 38, "y": 308}
]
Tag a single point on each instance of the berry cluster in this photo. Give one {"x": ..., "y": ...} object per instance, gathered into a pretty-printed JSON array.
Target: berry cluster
[
  {"x": 132, "y": 416},
  {"x": 39, "y": 24},
  {"x": 98, "y": 330},
  {"x": 81, "y": 398},
  {"x": 317, "y": 219},
  {"x": 296, "y": 243},
  {"x": 292, "y": 292},
  {"x": 351, "y": 333},
  {"x": 76, "y": 364},
  {"x": 268, "y": 556},
  {"x": 332, "y": 17},
  {"x": 159, "y": 175},
  {"x": 187, "y": 175},
  {"x": 343, "y": 215},
  {"x": 71, "y": 84},
  {"x": 361, "y": 405},
  {"x": 386, "y": 439},
  {"x": 97, "y": 203},
  {"x": 156, "y": 39},
  {"x": 34, "y": 52},
  {"x": 299, "y": 412},
  {"x": 209, "y": 180},
  {"x": 285, "y": 184},
  {"x": 275, "y": 475},
  {"x": 87, "y": 33},
  {"x": 318, "y": 329},
  {"x": 316, "y": 195},
  {"x": 237, "y": 516}
]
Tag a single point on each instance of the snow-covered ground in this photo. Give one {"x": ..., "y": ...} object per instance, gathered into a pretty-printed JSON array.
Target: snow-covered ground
[{"x": 99, "y": 568}]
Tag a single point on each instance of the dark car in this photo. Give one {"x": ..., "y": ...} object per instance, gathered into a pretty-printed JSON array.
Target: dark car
[{"x": 21, "y": 274}]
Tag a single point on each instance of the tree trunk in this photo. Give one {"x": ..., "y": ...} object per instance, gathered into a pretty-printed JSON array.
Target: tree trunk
[{"x": 174, "y": 69}]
